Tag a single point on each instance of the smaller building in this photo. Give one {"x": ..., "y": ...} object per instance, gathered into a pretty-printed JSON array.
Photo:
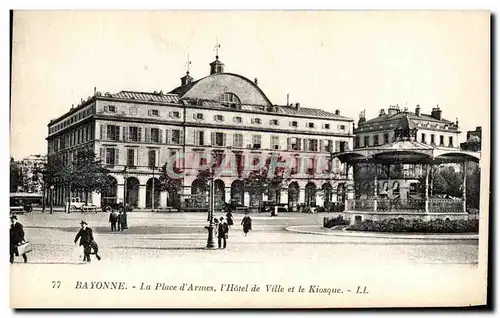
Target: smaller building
[
  {"x": 473, "y": 142},
  {"x": 31, "y": 168}
]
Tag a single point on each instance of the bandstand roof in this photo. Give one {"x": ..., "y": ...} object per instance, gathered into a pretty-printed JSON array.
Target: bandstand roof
[{"x": 406, "y": 151}]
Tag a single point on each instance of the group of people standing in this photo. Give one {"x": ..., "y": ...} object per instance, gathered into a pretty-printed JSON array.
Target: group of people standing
[
  {"x": 118, "y": 220},
  {"x": 222, "y": 227}
]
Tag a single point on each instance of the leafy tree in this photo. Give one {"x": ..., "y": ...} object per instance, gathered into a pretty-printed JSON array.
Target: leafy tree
[
  {"x": 171, "y": 183},
  {"x": 15, "y": 176},
  {"x": 90, "y": 174}
]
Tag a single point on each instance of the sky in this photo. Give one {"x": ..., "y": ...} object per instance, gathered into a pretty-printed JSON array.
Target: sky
[{"x": 346, "y": 60}]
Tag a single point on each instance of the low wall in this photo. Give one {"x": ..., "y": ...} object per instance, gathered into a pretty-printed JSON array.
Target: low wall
[{"x": 358, "y": 216}]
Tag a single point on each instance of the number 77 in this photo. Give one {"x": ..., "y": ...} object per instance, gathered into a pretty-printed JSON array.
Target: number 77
[{"x": 56, "y": 284}]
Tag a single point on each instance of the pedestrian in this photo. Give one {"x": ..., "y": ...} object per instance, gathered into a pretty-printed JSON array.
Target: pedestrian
[
  {"x": 247, "y": 223},
  {"x": 113, "y": 219},
  {"x": 122, "y": 221},
  {"x": 16, "y": 238},
  {"x": 222, "y": 233},
  {"x": 87, "y": 241},
  {"x": 229, "y": 217}
]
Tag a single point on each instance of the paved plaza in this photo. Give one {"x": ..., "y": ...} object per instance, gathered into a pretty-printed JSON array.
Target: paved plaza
[{"x": 181, "y": 237}]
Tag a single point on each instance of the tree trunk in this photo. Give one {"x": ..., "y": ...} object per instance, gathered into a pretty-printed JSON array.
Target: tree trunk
[
  {"x": 86, "y": 197},
  {"x": 44, "y": 193}
]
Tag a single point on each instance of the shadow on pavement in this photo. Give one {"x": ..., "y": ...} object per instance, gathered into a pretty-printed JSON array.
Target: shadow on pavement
[{"x": 161, "y": 248}]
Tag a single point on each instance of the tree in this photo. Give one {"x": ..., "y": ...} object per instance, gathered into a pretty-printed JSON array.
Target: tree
[
  {"x": 171, "y": 183},
  {"x": 15, "y": 176},
  {"x": 262, "y": 181},
  {"x": 88, "y": 174}
]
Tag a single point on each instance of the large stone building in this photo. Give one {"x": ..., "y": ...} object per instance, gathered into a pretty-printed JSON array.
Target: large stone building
[{"x": 222, "y": 115}]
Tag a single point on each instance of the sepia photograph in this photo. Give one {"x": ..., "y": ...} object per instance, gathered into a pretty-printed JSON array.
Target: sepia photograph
[{"x": 249, "y": 159}]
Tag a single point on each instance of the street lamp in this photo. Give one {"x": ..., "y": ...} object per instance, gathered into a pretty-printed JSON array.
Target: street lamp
[
  {"x": 51, "y": 199},
  {"x": 124, "y": 189},
  {"x": 153, "y": 190},
  {"x": 211, "y": 206}
]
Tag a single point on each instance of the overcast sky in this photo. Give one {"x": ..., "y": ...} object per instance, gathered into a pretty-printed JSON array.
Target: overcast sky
[{"x": 331, "y": 60}]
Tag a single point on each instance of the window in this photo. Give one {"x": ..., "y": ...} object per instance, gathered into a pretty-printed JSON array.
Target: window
[
  {"x": 342, "y": 127},
  {"x": 356, "y": 141},
  {"x": 176, "y": 136},
  {"x": 367, "y": 141},
  {"x": 229, "y": 99},
  {"x": 198, "y": 116},
  {"x": 386, "y": 138},
  {"x": 294, "y": 143},
  {"x": 218, "y": 118},
  {"x": 327, "y": 126},
  {"x": 256, "y": 121},
  {"x": 327, "y": 145},
  {"x": 219, "y": 139},
  {"x": 375, "y": 140},
  {"x": 133, "y": 111},
  {"x": 154, "y": 112},
  {"x": 432, "y": 140},
  {"x": 342, "y": 146},
  {"x": 155, "y": 135},
  {"x": 111, "y": 154},
  {"x": 441, "y": 140},
  {"x": 256, "y": 141},
  {"x": 275, "y": 142},
  {"x": 310, "y": 125},
  {"x": 130, "y": 157},
  {"x": 199, "y": 138},
  {"x": 423, "y": 139},
  {"x": 274, "y": 122},
  {"x": 293, "y": 123},
  {"x": 450, "y": 141},
  {"x": 175, "y": 114},
  {"x": 313, "y": 145},
  {"x": 238, "y": 140},
  {"x": 152, "y": 158},
  {"x": 108, "y": 109},
  {"x": 133, "y": 134},
  {"x": 237, "y": 119},
  {"x": 113, "y": 132}
]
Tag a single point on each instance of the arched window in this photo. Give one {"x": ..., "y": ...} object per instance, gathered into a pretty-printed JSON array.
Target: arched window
[{"x": 230, "y": 100}]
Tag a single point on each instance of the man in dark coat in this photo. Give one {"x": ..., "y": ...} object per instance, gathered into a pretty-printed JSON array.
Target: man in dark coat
[
  {"x": 122, "y": 221},
  {"x": 16, "y": 238},
  {"x": 87, "y": 241},
  {"x": 113, "y": 219},
  {"x": 222, "y": 232}
]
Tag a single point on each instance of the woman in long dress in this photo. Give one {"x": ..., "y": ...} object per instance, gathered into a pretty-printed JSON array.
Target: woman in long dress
[{"x": 247, "y": 223}]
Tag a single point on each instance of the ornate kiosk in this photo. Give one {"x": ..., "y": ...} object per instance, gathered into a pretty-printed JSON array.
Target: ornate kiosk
[{"x": 392, "y": 180}]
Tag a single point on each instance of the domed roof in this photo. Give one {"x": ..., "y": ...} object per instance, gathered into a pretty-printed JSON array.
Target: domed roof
[{"x": 214, "y": 85}]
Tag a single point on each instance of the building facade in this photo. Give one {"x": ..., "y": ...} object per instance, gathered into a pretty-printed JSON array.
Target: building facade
[
  {"x": 473, "y": 142},
  {"x": 31, "y": 168},
  {"x": 222, "y": 118}
]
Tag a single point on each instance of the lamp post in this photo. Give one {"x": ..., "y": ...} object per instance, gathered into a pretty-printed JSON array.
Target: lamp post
[
  {"x": 153, "y": 190},
  {"x": 124, "y": 189},
  {"x": 51, "y": 198},
  {"x": 211, "y": 206}
]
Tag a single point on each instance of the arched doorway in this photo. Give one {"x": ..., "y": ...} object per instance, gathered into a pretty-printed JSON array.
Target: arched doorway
[
  {"x": 132, "y": 194},
  {"x": 108, "y": 196},
  {"x": 237, "y": 193},
  {"x": 219, "y": 194},
  {"x": 310, "y": 194},
  {"x": 199, "y": 194},
  {"x": 293, "y": 196},
  {"x": 156, "y": 197},
  {"x": 274, "y": 193},
  {"x": 327, "y": 194}
]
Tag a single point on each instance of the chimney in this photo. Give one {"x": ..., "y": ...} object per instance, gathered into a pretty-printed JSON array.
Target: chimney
[
  {"x": 288, "y": 99},
  {"x": 382, "y": 112},
  {"x": 417, "y": 110},
  {"x": 297, "y": 105},
  {"x": 436, "y": 113},
  {"x": 337, "y": 112},
  {"x": 393, "y": 110},
  {"x": 256, "y": 81}
]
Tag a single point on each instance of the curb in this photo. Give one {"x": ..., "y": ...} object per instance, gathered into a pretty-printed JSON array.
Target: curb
[{"x": 298, "y": 229}]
